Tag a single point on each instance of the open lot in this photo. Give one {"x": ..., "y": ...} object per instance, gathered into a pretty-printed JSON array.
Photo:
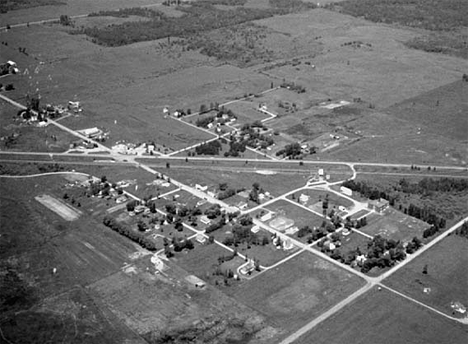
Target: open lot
[
  {"x": 296, "y": 291},
  {"x": 395, "y": 225},
  {"x": 300, "y": 217},
  {"x": 383, "y": 317},
  {"x": 446, "y": 266}
]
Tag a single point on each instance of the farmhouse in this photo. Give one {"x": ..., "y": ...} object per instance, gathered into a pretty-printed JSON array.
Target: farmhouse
[
  {"x": 195, "y": 281},
  {"x": 378, "y": 205}
]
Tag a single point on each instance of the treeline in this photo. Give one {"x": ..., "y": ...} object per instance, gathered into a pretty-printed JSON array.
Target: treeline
[
  {"x": 428, "y": 185},
  {"x": 126, "y": 12},
  {"x": 209, "y": 148},
  {"x": 198, "y": 17},
  {"x": 435, "y": 15},
  {"x": 127, "y": 232},
  {"x": 463, "y": 230}
]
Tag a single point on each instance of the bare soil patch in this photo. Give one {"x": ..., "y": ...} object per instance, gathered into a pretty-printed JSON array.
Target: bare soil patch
[{"x": 57, "y": 206}]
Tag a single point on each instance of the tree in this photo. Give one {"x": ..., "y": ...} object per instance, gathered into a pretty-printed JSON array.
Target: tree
[{"x": 424, "y": 271}]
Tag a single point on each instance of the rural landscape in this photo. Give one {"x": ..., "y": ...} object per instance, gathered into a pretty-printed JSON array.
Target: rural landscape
[{"x": 233, "y": 171}]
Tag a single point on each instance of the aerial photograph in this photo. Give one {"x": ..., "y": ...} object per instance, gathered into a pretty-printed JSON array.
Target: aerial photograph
[{"x": 234, "y": 171}]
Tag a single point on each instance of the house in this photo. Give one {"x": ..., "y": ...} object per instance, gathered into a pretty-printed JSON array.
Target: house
[
  {"x": 360, "y": 259},
  {"x": 248, "y": 268},
  {"x": 458, "y": 307},
  {"x": 378, "y": 205},
  {"x": 287, "y": 244},
  {"x": 329, "y": 245},
  {"x": 201, "y": 188},
  {"x": 268, "y": 216},
  {"x": 304, "y": 198},
  {"x": 242, "y": 205},
  {"x": 200, "y": 238},
  {"x": 321, "y": 172},
  {"x": 205, "y": 220},
  {"x": 292, "y": 230},
  {"x": 139, "y": 209},
  {"x": 255, "y": 229},
  {"x": 121, "y": 199},
  {"x": 195, "y": 281}
]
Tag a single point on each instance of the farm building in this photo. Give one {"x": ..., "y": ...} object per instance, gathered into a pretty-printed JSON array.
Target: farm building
[
  {"x": 378, "y": 205},
  {"x": 346, "y": 191},
  {"x": 195, "y": 281},
  {"x": 91, "y": 132}
]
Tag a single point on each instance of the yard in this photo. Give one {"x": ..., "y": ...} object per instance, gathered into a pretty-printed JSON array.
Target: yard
[
  {"x": 383, "y": 317},
  {"x": 446, "y": 275},
  {"x": 301, "y": 217},
  {"x": 395, "y": 225}
]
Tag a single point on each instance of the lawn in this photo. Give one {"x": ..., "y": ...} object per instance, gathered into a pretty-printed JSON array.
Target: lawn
[
  {"x": 395, "y": 225},
  {"x": 296, "y": 291},
  {"x": 246, "y": 111},
  {"x": 334, "y": 201},
  {"x": 446, "y": 266},
  {"x": 383, "y": 317},
  {"x": 301, "y": 217}
]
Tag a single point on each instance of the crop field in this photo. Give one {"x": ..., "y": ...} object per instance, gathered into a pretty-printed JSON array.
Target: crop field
[
  {"x": 383, "y": 317},
  {"x": 395, "y": 225},
  {"x": 73, "y": 314},
  {"x": 301, "y": 217},
  {"x": 446, "y": 275},
  {"x": 149, "y": 304},
  {"x": 294, "y": 292}
]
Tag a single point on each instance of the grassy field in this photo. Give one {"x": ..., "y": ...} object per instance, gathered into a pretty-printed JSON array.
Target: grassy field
[
  {"x": 446, "y": 264},
  {"x": 41, "y": 242},
  {"x": 317, "y": 195},
  {"x": 438, "y": 111},
  {"x": 275, "y": 184},
  {"x": 300, "y": 216},
  {"x": 394, "y": 225},
  {"x": 383, "y": 317},
  {"x": 296, "y": 291}
]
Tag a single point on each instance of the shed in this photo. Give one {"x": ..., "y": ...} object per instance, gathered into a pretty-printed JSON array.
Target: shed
[{"x": 195, "y": 281}]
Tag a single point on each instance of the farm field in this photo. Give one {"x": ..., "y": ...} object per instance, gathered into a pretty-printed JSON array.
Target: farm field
[
  {"x": 149, "y": 304},
  {"x": 395, "y": 225},
  {"x": 383, "y": 317},
  {"x": 294, "y": 292},
  {"x": 446, "y": 266}
]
